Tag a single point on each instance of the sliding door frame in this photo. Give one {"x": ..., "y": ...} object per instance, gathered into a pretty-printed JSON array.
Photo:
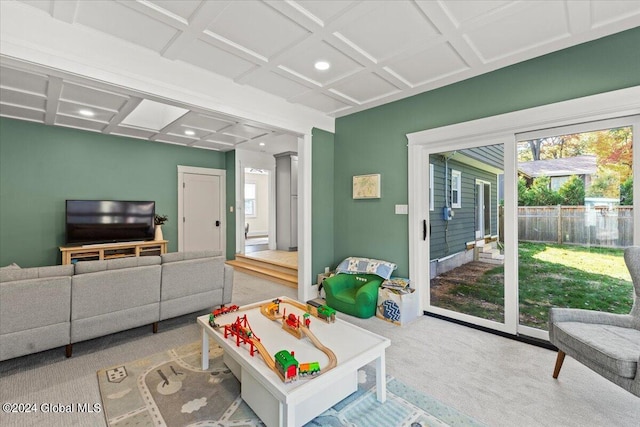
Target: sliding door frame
[{"x": 501, "y": 129}]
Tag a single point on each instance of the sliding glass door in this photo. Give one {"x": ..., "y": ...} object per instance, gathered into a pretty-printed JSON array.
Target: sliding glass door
[
  {"x": 465, "y": 246},
  {"x": 575, "y": 217},
  {"x": 505, "y": 225}
]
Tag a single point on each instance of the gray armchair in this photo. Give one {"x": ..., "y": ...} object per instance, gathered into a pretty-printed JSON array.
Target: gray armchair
[{"x": 609, "y": 344}]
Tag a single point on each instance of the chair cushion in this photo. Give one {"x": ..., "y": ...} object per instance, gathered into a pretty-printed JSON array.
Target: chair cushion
[{"x": 613, "y": 348}]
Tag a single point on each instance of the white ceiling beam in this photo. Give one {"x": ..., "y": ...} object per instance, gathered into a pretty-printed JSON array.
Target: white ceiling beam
[
  {"x": 199, "y": 22},
  {"x": 54, "y": 89},
  {"x": 130, "y": 105}
]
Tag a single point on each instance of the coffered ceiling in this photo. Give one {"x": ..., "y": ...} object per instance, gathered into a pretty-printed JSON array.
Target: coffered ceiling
[{"x": 377, "y": 51}]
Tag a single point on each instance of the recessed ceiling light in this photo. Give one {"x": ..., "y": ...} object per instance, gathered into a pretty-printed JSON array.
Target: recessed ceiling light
[
  {"x": 189, "y": 132},
  {"x": 262, "y": 144},
  {"x": 322, "y": 65},
  {"x": 87, "y": 113}
]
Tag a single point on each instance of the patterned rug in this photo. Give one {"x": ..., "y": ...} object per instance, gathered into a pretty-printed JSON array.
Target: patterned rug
[{"x": 170, "y": 389}]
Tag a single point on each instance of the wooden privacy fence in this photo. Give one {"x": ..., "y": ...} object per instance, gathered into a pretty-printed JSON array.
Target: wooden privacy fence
[{"x": 576, "y": 225}]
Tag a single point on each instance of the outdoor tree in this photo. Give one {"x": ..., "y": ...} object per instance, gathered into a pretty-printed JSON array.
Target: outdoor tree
[
  {"x": 626, "y": 192},
  {"x": 572, "y": 192}
]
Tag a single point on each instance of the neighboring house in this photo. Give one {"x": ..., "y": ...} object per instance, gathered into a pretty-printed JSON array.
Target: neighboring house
[
  {"x": 466, "y": 183},
  {"x": 560, "y": 170}
]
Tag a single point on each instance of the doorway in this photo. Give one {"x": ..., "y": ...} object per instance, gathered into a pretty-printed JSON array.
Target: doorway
[
  {"x": 201, "y": 196},
  {"x": 257, "y": 210}
]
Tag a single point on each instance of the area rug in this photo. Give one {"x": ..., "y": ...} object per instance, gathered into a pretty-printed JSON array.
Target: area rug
[{"x": 170, "y": 389}]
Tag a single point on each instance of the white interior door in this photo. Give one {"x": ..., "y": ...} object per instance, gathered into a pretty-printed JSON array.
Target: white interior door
[{"x": 202, "y": 203}]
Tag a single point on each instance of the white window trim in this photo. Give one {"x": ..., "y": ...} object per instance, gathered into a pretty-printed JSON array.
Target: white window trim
[
  {"x": 458, "y": 188},
  {"x": 255, "y": 202},
  {"x": 431, "y": 192}
]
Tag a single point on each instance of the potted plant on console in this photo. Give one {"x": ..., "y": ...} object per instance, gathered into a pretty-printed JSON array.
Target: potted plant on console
[{"x": 158, "y": 221}]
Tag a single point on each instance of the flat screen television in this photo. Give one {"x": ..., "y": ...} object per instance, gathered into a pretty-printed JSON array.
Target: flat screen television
[{"x": 109, "y": 221}]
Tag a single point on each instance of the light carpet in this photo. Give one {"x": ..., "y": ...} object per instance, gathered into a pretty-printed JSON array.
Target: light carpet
[{"x": 171, "y": 389}]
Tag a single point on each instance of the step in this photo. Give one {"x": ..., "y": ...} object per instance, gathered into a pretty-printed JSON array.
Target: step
[
  {"x": 265, "y": 271},
  {"x": 489, "y": 255},
  {"x": 269, "y": 264}
]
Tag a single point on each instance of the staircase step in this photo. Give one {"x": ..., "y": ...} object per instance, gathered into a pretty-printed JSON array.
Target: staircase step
[
  {"x": 269, "y": 263},
  {"x": 265, "y": 270}
]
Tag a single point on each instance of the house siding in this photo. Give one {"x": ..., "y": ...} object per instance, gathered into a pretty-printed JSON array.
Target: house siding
[{"x": 450, "y": 237}]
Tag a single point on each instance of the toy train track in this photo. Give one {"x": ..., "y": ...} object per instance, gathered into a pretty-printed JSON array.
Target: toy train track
[{"x": 271, "y": 311}]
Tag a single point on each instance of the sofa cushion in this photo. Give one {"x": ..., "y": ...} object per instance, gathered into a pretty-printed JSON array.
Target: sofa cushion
[
  {"x": 613, "y": 348},
  {"x": 33, "y": 303},
  {"x": 13, "y": 274},
  {"x": 181, "y": 256},
  {"x": 11, "y": 266},
  {"x": 85, "y": 267}
]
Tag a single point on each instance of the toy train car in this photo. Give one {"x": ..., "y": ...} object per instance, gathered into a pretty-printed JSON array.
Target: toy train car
[
  {"x": 287, "y": 365},
  {"x": 290, "y": 369},
  {"x": 224, "y": 310},
  {"x": 312, "y": 368},
  {"x": 321, "y": 311}
]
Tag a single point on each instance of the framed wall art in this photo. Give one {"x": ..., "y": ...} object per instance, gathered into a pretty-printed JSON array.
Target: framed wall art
[{"x": 366, "y": 186}]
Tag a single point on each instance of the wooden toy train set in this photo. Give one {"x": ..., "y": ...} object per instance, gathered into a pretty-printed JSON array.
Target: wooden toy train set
[{"x": 283, "y": 362}]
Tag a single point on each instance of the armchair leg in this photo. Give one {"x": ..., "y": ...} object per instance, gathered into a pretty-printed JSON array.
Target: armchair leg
[
  {"x": 154, "y": 327},
  {"x": 559, "y": 361},
  {"x": 68, "y": 350}
]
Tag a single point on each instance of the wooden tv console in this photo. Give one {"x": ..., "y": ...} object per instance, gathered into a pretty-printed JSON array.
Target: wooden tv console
[{"x": 73, "y": 254}]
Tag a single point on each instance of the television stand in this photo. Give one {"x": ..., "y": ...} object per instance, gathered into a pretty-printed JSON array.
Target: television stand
[{"x": 73, "y": 254}]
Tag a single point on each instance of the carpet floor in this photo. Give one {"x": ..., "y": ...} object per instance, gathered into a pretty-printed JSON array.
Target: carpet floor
[{"x": 170, "y": 389}]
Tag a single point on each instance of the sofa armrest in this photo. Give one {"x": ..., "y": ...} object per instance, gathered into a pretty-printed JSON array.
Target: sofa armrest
[
  {"x": 338, "y": 283},
  {"x": 228, "y": 284},
  {"x": 367, "y": 294}
]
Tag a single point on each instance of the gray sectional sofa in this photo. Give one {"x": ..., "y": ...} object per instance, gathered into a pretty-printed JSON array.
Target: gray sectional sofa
[{"x": 47, "y": 307}]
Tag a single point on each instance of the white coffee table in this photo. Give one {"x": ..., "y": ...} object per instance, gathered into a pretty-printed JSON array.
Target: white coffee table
[{"x": 293, "y": 404}]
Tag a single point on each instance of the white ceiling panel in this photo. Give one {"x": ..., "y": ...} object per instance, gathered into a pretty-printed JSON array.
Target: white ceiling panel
[
  {"x": 389, "y": 28},
  {"x": 279, "y": 85},
  {"x": 24, "y": 81},
  {"x": 177, "y": 139},
  {"x": 17, "y": 112},
  {"x": 302, "y": 64},
  {"x": 322, "y": 9},
  {"x": 211, "y": 145},
  {"x": 72, "y": 109},
  {"x": 611, "y": 11},
  {"x": 133, "y": 132},
  {"x": 211, "y": 58},
  {"x": 200, "y": 121},
  {"x": 257, "y": 27},
  {"x": 322, "y": 102},
  {"x": 92, "y": 97},
  {"x": 537, "y": 24},
  {"x": 429, "y": 65},
  {"x": 182, "y": 8},
  {"x": 365, "y": 86},
  {"x": 379, "y": 51},
  {"x": 226, "y": 139},
  {"x": 462, "y": 11},
  {"x": 245, "y": 131},
  {"x": 123, "y": 22},
  {"x": 79, "y": 123},
  {"x": 24, "y": 99}
]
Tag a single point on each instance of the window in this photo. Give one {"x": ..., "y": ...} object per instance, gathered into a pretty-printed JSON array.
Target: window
[
  {"x": 456, "y": 186},
  {"x": 250, "y": 199},
  {"x": 431, "y": 199}
]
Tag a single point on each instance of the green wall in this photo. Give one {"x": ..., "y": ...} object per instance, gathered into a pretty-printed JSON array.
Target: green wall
[
  {"x": 322, "y": 215},
  {"x": 42, "y": 166},
  {"x": 374, "y": 141}
]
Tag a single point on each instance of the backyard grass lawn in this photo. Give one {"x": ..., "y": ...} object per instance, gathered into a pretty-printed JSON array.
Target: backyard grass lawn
[{"x": 552, "y": 276}]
